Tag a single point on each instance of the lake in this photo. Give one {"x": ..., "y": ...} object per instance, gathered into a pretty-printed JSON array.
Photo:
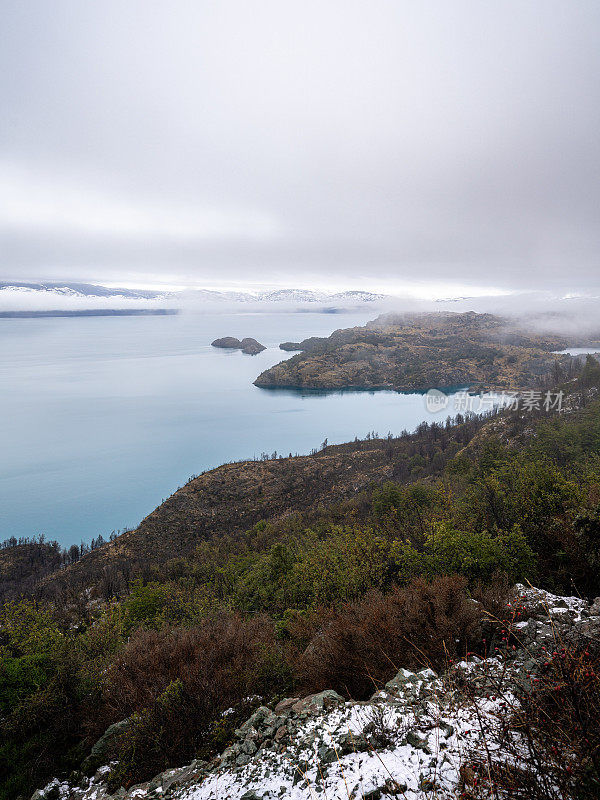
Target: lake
[{"x": 103, "y": 417}]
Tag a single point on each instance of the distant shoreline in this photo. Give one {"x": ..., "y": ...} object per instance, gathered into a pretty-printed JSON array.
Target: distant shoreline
[{"x": 91, "y": 312}]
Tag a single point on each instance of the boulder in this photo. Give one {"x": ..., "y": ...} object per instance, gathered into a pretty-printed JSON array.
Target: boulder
[
  {"x": 105, "y": 748},
  {"x": 315, "y": 703},
  {"x": 416, "y": 741},
  {"x": 285, "y": 706},
  {"x": 595, "y": 607}
]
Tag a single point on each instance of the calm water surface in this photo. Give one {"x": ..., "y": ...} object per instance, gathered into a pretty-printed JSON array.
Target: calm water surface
[{"x": 103, "y": 417}]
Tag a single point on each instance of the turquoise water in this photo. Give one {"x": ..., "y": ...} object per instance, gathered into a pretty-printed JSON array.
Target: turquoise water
[{"x": 103, "y": 417}]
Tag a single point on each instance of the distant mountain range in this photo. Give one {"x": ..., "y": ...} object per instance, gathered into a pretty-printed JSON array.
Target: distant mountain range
[
  {"x": 22, "y": 296},
  {"x": 76, "y": 289}
]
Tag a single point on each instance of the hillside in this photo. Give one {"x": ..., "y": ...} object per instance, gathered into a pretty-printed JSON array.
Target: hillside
[
  {"x": 230, "y": 500},
  {"x": 23, "y": 564},
  {"x": 234, "y": 497},
  {"x": 417, "y": 736},
  {"x": 420, "y": 351},
  {"x": 281, "y": 578}
]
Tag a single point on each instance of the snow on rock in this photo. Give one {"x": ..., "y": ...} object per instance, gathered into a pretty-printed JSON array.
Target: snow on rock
[
  {"x": 544, "y": 602},
  {"x": 410, "y": 739}
]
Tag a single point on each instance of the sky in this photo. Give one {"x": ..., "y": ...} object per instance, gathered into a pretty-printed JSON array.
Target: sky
[{"x": 334, "y": 144}]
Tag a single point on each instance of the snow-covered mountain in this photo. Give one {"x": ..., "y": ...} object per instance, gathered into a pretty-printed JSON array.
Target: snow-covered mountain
[{"x": 21, "y": 296}]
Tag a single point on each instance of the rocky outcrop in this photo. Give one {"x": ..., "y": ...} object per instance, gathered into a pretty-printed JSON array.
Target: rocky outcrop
[
  {"x": 251, "y": 347},
  {"x": 408, "y": 740},
  {"x": 305, "y": 344},
  {"x": 247, "y": 345},
  {"x": 290, "y": 347},
  {"x": 227, "y": 342}
]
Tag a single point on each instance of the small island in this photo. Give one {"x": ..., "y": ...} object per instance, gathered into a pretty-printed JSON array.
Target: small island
[{"x": 249, "y": 346}]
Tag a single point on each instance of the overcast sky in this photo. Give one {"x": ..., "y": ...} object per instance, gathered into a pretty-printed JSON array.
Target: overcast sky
[{"x": 333, "y": 143}]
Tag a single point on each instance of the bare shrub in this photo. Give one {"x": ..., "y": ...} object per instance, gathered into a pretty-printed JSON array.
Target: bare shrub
[
  {"x": 494, "y": 596},
  {"x": 546, "y": 741},
  {"x": 175, "y": 683},
  {"x": 357, "y": 648}
]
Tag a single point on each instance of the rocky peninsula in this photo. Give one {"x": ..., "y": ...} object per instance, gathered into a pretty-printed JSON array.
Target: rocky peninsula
[{"x": 419, "y": 351}]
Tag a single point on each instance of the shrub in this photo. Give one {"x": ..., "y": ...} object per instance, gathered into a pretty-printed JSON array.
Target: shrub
[
  {"x": 546, "y": 742},
  {"x": 342, "y": 567},
  {"x": 176, "y": 682},
  {"x": 153, "y": 605},
  {"x": 359, "y": 647},
  {"x": 475, "y": 554}
]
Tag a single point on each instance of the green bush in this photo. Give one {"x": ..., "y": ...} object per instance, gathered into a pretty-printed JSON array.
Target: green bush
[{"x": 477, "y": 555}]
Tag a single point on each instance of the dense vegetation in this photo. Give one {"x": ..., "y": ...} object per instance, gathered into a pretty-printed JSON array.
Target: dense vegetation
[{"x": 338, "y": 593}]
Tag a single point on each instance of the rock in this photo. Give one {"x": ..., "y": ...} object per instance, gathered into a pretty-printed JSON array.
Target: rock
[
  {"x": 400, "y": 679},
  {"x": 251, "y": 347},
  {"x": 595, "y": 607},
  {"x": 447, "y": 729},
  {"x": 300, "y": 771},
  {"x": 352, "y": 743},
  {"x": 255, "y": 721},
  {"x": 315, "y": 703},
  {"x": 281, "y": 733},
  {"x": 562, "y": 616},
  {"x": 416, "y": 741},
  {"x": 178, "y": 777},
  {"x": 285, "y": 706},
  {"x": 406, "y": 685},
  {"x": 104, "y": 748},
  {"x": 227, "y": 342},
  {"x": 249, "y": 747},
  {"x": 230, "y": 754},
  {"x": 326, "y": 755},
  {"x": 374, "y": 794},
  {"x": 49, "y": 792}
]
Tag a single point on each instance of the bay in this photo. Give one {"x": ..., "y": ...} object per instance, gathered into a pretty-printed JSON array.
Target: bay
[{"x": 103, "y": 417}]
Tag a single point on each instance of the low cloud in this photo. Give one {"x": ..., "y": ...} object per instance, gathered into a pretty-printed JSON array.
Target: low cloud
[{"x": 356, "y": 145}]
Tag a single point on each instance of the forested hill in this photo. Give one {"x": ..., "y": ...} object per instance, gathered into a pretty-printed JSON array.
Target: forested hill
[{"x": 420, "y": 351}]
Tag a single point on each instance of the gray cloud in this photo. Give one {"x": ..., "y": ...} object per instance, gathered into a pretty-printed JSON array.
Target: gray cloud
[{"x": 304, "y": 142}]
